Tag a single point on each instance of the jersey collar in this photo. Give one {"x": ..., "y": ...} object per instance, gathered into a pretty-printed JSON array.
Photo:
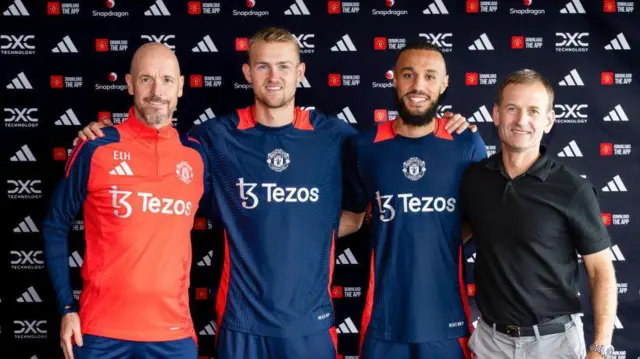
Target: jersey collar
[{"x": 137, "y": 128}]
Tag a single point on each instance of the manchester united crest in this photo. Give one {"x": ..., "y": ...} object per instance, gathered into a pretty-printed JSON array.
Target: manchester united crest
[
  {"x": 184, "y": 172},
  {"x": 278, "y": 160},
  {"x": 414, "y": 168}
]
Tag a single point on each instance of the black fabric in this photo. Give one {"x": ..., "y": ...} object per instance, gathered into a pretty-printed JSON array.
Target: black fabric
[{"x": 529, "y": 231}]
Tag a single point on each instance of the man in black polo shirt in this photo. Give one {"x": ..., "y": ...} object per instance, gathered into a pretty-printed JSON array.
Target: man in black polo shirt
[{"x": 530, "y": 217}]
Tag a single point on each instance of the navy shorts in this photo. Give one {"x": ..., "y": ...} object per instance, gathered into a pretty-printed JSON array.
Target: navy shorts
[
  {"x": 445, "y": 349},
  {"x": 96, "y": 347},
  {"x": 236, "y": 345}
]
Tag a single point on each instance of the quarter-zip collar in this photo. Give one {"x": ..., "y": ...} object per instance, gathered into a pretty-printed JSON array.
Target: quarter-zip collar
[{"x": 138, "y": 129}]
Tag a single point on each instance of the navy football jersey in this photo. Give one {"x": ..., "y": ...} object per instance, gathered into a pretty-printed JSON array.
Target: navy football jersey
[
  {"x": 416, "y": 291},
  {"x": 278, "y": 193}
]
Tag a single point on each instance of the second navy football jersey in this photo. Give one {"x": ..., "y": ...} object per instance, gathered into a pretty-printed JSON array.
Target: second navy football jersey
[
  {"x": 278, "y": 192},
  {"x": 416, "y": 291}
]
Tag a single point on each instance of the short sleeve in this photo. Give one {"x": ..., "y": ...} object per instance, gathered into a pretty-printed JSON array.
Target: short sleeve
[
  {"x": 588, "y": 231},
  {"x": 354, "y": 198},
  {"x": 479, "y": 149}
]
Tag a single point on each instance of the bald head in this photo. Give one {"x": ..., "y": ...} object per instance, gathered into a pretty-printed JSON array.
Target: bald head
[
  {"x": 155, "y": 83},
  {"x": 155, "y": 51}
]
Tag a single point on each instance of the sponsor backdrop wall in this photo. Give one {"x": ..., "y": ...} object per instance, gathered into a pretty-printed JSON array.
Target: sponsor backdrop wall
[{"x": 64, "y": 63}]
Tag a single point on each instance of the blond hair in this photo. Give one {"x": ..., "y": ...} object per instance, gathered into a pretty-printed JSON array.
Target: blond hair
[
  {"x": 273, "y": 34},
  {"x": 525, "y": 77}
]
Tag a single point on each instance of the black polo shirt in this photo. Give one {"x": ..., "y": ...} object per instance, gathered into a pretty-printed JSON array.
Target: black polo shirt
[{"x": 528, "y": 230}]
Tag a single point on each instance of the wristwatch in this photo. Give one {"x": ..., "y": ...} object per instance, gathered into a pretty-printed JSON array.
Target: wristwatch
[{"x": 605, "y": 350}]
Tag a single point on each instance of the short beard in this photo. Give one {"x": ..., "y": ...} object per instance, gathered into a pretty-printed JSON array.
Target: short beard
[
  {"x": 156, "y": 118},
  {"x": 418, "y": 120}
]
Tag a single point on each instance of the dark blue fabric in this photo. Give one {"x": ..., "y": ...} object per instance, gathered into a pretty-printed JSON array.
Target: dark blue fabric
[
  {"x": 96, "y": 347},
  {"x": 381, "y": 349},
  {"x": 66, "y": 201},
  {"x": 236, "y": 345}
]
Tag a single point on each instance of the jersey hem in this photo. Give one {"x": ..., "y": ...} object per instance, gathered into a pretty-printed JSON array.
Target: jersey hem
[
  {"x": 278, "y": 333},
  {"x": 145, "y": 336}
]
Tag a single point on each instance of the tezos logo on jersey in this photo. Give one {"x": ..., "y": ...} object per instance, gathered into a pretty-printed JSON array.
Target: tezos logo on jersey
[
  {"x": 122, "y": 208},
  {"x": 414, "y": 168},
  {"x": 442, "y": 40},
  {"x": 184, "y": 172},
  {"x": 17, "y": 45},
  {"x": 278, "y": 160},
  {"x": 410, "y": 203},
  {"x": 275, "y": 194}
]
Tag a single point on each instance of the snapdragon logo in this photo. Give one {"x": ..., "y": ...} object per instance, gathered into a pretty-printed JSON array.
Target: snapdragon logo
[
  {"x": 274, "y": 193},
  {"x": 412, "y": 204}
]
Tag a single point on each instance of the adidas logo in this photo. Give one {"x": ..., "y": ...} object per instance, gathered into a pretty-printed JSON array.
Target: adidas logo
[
  {"x": 572, "y": 79},
  {"x": 304, "y": 83},
  {"x": 347, "y": 116},
  {"x": 572, "y": 150},
  {"x": 344, "y": 44},
  {"x": 618, "y": 323},
  {"x": 482, "y": 115},
  {"x": 481, "y": 44},
  {"x": 436, "y": 8},
  {"x": 205, "y": 45},
  {"x": 30, "y": 296},
  {"x": 75, "y": 261},
  {"x": 68, "y": 119},
  {"x": 615, "y": 185},
  {"x": 472, "y": 259},
  {"x": 346, "y": 258},
  {"x": 20, "y": 83},
  {"x": 347, "y": 327},
  {"x": 16, "y": 9},
  {"x": 573, "y": 7},
  {"x": 616, "y": 254},
  {"x": 298, "y": 8},
  {"x": 204, "y": 117},
  {"x": 210, "y": 329},
  {"x": 26, "y": 226},
  {"x": 618, "y": 43},
  {"x": 65, "y": 46},
  {"x": 206, "y": 260},
  {"x": 23, "y": 155},
  {"x": 122, "y": 169},
  {"x": 157, "y": 9},
  {"x": 616, "y": 115}
]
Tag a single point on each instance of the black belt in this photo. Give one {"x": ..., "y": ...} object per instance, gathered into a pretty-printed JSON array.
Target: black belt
[{"x": 552, "y": 326}]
